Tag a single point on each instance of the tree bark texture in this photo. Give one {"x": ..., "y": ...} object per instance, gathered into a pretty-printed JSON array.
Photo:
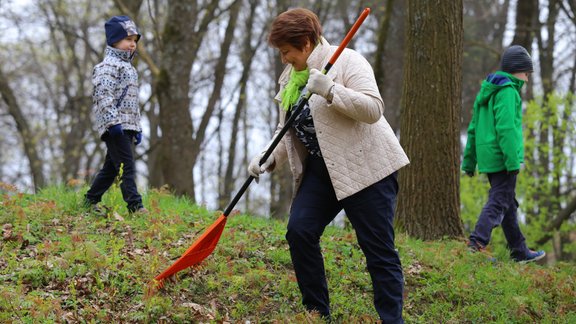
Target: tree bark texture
[
  {"x": 26, "y": 133},
  {"x": 428, "y": 205},
  {"x": 180, "y": 42}
]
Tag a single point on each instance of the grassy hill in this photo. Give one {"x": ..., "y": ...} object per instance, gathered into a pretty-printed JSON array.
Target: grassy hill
[{"x": 60, "y": 263}]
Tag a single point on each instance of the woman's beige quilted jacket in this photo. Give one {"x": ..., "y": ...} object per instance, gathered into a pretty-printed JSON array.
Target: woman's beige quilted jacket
[{"x": 358, "y": 145}]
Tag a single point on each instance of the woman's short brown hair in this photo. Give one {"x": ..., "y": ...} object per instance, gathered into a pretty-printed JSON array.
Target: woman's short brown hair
[{"x": 294, "y": 27}]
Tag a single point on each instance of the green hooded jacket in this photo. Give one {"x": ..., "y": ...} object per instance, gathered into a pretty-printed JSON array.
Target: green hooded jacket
[{"x": 495, "y": 140}]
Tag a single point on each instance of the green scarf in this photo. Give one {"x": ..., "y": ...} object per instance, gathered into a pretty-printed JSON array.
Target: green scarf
[{"x": 291, "y": 92}]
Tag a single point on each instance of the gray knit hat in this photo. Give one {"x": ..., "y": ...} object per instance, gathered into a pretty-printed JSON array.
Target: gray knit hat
[{"x": 516, "y": 59}]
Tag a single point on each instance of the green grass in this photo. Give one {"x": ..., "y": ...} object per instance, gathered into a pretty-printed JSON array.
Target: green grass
[{"x": 59, "y": 263}]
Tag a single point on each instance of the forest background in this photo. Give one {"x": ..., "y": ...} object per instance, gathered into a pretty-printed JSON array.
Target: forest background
[{"x": 208, "y": 76}]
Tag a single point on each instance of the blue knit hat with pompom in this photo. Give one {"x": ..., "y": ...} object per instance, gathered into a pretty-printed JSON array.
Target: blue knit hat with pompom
[{"x": 119, "y": 27}]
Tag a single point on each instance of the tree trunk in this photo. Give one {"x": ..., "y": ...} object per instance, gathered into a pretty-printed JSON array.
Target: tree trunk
[
  {"x": 484, "y": 28},
  {"x": 281, "y": 179},
  {"x": 388, "y": 64},
  {"x": 386, "y": 13},
  {"x": 180, "y": 43},
  {"x": 526, "y": 23},
  {"x": 429, "y": 204},
  {"x": 543, "y": 167},
  {"x": 24, "y": 130}
]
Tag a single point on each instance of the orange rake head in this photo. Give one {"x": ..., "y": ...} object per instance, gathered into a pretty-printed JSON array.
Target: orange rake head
[{"x": 197, "y": 252}]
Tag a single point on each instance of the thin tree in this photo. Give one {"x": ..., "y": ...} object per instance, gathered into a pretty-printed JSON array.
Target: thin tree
[
  {"x": 429, "y": 204},
  {"x": 526, "y": 23},
  {"x": 246, "y": 58},
  {"x": 69, "y": 97},
  {"x": 24, "y": 130},
  {"x": 281, "y": 179},
  {"x": 388, "y": 57},
  {"x": 385, "y": 11}
]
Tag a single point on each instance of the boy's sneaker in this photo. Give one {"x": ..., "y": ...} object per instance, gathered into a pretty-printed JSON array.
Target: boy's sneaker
[
  {"x": 141, "y": 211},
  {"x": 532, "y": 256},
  {"x": 94, "y": 208},
  {"x": 475, "y": 247},
  {"x": 97, "y": 209}
]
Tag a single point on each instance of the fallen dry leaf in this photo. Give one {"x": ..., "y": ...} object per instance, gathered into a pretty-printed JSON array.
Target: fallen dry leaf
[{"x": 118, "y": 217}]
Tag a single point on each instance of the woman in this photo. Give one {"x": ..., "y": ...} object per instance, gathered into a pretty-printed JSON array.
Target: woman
[{"x": 343, "y": 155}]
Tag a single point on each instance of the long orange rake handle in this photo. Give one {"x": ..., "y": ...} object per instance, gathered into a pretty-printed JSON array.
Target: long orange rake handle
[{"x": 204, "y": 245}]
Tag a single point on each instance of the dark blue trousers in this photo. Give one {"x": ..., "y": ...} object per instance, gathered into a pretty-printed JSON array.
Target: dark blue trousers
[
  {"x": 501, "y": 209},
  {"x": 119, "y": 153},
  {"x": 371, "y": 213}
]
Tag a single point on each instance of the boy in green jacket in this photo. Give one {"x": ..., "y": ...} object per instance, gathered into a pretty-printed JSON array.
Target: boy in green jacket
[{"x": 496, "y": 145}]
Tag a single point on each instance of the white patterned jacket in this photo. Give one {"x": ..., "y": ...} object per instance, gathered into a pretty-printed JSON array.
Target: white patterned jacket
[{"x": 115, "y": 95}]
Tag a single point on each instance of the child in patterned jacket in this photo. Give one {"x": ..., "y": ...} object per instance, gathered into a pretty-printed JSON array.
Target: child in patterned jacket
[{"x": 117, "y": 114}]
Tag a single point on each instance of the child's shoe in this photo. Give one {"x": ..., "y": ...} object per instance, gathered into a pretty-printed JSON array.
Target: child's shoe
[
  {"x": 94, "y": 208},
  {"x": 475, "y": 247},
  {"x": 531, "y": 256},
  {"x": 141, "y": 211}
]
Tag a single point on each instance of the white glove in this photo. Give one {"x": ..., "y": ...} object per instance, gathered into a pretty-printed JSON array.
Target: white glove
[
  {"x": 255, "y": 169},
  {"x": 319, "y": 83}
]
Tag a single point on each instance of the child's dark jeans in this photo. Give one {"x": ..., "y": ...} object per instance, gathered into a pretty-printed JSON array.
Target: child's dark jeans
[
  {"x": 501, "y": 210},
  {"x": 119, "y": 154}
]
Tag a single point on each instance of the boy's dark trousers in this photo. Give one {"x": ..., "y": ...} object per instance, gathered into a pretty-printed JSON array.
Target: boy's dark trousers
[
  {"x": 371, "y": 212},
  {"x": 119, "y": 153},
  {"x": 501, "y": 210}
]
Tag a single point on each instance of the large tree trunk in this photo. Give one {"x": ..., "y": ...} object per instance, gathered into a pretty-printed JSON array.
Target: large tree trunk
[
  {"x": 172, "y": 88},
  {"x": 129, "y": 7},
  {"x": 180, "y": 43},
  {"x": 429, "y": 204},
  {"x": 546, "y": 45}
]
